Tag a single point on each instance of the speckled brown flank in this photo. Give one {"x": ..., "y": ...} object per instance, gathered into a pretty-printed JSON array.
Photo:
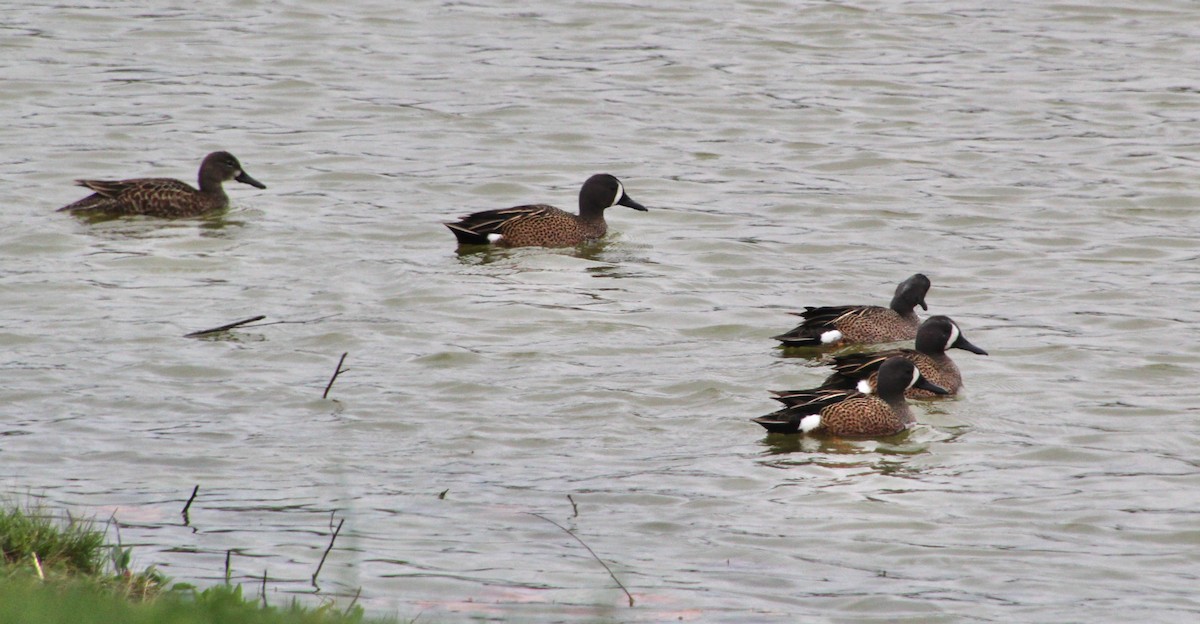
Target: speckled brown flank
[
  {"x": 873, "y": 324},
  {"x": 865, "y": 416}
]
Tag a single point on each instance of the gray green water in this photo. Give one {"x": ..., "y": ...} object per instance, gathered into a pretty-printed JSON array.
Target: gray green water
[{"x": 1037, "y": 161}]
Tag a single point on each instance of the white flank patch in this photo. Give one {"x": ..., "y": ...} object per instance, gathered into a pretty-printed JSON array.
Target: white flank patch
[
  {"x": 954, "y": 334},
  {"x": 831, "y": 336},
  {"x": 620, "y": 194},
  {"x": 808, "y": 423},
  {"x": 916, "y": 376},
  {"x": 494, "y": 238},
  {"x": 864, "y": 386}
]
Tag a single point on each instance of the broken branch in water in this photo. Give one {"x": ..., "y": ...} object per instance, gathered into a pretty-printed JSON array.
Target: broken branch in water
[
  {"x": 329, "y": 548},
  {"x": 338, "y": 371},
  {"x": 217, "y": 330},
  {"x": 593, "y": 553},
  {"x": 188, "y": 506},
  {"x": 304, "y": 322},
  {"x": 350, "y": 607}
]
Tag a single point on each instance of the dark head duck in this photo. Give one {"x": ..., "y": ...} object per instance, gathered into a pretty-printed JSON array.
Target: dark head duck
[
  {"x": 540, "y": 225},
  {"x": 935, "y": 336},
  {"x": 862, "y": 324},
  {"x": 165, "y": 197},
  {"x": 849, "y": 413}
]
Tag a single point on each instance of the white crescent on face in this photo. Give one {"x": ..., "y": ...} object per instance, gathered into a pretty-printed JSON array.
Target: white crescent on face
[
  {"x": 915, "y": 377},
  {"x": 620, "y": 194},
  {"x": 954, "y": 334}
]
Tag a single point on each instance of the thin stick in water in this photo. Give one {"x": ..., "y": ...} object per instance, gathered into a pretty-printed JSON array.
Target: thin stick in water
[
  {"x": 327, "y": 549},
  {"x": 227, "y": 553},
  {"x": 188, "y": 506},
  {"x": 217, "y": 330},
  {"x": 593, "y": 553},
  {"x": 574, "y": 507},
  {"x": 304, "y": 322},
  {"x": 336, "y": 372},
  {"x": 350, "y": 607}
]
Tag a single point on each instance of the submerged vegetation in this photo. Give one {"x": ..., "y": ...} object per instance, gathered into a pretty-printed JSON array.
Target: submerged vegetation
[{"x": 58, "y": 568}]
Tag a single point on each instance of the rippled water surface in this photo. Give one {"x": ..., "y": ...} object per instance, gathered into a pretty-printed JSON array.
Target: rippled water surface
[{"x": 1037, "y": 161}]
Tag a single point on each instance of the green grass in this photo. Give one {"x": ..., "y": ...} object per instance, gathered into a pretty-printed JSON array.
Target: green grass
[
  {"x": 68, "y": 546},
  {"x": 39, "y": 545},
  {"x": 31, "y": 601},
  {"x": 59, "y": 570}
]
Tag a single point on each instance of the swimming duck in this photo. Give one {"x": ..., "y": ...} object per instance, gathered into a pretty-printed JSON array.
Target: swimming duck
[
  {"x": 540, "y": 225},
  {"x": 165, "y": 197},
  {"x": 934, "y": 337},
  {"x": 862, "y": 324},
  {"x": 849, "y": 413}
]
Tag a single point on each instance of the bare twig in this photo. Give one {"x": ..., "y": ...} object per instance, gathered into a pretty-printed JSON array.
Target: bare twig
[
  {"x": 350, "y": 607},
  {"x": 188, "y": 506},
  {"x": 593, "y": 553},
  {"x": 338, "y": 371},
  {"x": 574, "y": 507},
  {"x": 327, "y": 549},
  {"x": 264, "y": 588},
  {"x": 304, "y": 322},
  {"x": 260, "y": 317},
  {"x": 217, "y": 330},
  {"x": 227, "y": 553}
]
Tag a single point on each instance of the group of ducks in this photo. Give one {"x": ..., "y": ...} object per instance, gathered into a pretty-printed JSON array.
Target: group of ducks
[
  {"x": 866, "y": 394},
  {"x": 864, "y": 397}
]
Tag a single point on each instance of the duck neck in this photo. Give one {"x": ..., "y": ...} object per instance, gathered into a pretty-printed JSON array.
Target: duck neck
[
  {"x": 893, "y": 396},
  {"x": 902, "y": 411},
  {"x": 904, "y": 308},
  {"x": 211, "y": 185},
  {"x": 588, "y": 214},
  {"x": 895, "y": 400}
]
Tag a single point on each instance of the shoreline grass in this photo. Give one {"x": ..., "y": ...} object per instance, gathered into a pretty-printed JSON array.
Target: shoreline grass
[{"x": 55, "y": 569}]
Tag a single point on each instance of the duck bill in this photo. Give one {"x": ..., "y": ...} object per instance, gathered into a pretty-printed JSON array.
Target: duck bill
[
  {"x": 922, "y": 304},
  {"x": 245, "y": 178},
  {"x": 628, "y": 201},
  {"x": 965, "y": 345},
  {"x": 925, "y": 384}
]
